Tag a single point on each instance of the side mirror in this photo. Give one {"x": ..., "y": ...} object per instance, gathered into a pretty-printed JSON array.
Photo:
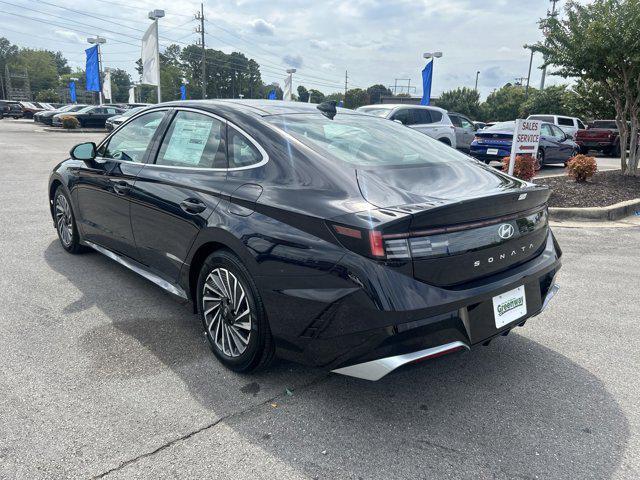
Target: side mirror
[{"x": 84, "y": 151}]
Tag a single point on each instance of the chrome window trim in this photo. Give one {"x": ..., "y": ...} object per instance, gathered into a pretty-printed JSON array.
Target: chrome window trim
[{"x": 263, "y": 152}]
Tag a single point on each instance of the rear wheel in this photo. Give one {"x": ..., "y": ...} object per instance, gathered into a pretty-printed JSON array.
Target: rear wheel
[
  {"x": 584, "y": 150},
  {"x": 445, "y": 140},
  {"x": 233, "y": 314},
  {"x": 615, "y": 150}
]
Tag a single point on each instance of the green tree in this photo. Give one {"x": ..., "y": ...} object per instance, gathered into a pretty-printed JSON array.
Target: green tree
[
  {"x": 589, "y": 100},
  {"x": 503, "y": 104},
  {"x": 553, "y": 100},
  {"x": 462, "y": 100},
  {"x": 40, "y": 65},
  {"x": 336, "y": 96},
  {"x": 48, "y": 95},
  {"x": 120, "y": 83},
  {"x": 316, "y": 96},
  {"x": 303, "y": 94},
  {"x": 598, "y": 42},
  {"x": 7, "y": 52},
  {"x": 377, "y": 91},
  {"x": 356, "y": 97}
]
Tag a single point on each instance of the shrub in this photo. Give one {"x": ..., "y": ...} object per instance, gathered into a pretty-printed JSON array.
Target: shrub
[
  {"x": 69, "y": 122},
  {"x": 582, "y": 167},
  {"x": 524, "y": 168}
]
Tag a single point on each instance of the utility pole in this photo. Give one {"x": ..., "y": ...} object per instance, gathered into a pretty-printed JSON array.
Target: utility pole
[
  {"x": 200, "y": 30},
  {"x": 526, "y": 90},
  {"x": 346, "y": 80},
  {"x": 477, "y": 75},
  {"x": 550, "y": 14}
]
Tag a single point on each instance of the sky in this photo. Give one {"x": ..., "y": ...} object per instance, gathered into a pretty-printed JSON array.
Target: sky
[{"x": 376, "y": 41}]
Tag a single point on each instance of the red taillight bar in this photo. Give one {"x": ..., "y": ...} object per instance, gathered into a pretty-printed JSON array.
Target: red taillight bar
[{"x": 376, "y": 243}]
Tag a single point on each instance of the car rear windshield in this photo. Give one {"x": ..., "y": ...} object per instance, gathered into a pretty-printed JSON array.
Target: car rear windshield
[
  {"x": 378, "y": 112},
  {"x": 366, "y": 141},
  {"x": 502, "y": 126},
  {"x": 605, "y": 124}
]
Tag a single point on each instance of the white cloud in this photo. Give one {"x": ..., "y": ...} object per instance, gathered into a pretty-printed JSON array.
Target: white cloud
[
  {"x": 70, "y": 35},
  {"x": 262, "y": 27},
  {"x": 294, "y": 61},
  {"x": 319, "y": 44}
]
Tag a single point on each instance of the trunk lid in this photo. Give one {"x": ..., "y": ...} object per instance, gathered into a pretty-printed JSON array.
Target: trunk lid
[{"x": 466, "y": 221}]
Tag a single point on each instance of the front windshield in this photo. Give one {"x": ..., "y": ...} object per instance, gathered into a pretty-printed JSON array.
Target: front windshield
[
  {"x": 363, "y": 140},
  {"x": 378, "y": 112}
]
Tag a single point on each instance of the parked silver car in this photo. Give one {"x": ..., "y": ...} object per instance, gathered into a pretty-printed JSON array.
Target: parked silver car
[
  {"x": 465, "y": 130},
  {"x": 432, "y": 121}
]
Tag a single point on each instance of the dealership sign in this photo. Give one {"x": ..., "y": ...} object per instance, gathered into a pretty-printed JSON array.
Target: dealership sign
[{"x": 526, "y": 138}]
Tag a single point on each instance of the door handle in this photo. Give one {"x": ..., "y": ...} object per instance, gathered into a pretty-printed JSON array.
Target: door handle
[
  {"x": 120, "y": 187},
  {"x": 193, "y": 206}
]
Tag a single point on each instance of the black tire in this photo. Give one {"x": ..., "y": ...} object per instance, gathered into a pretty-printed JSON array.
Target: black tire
[
  {"x": 539, "y": 159},
  {"x": 445, "y": 140},
  {"x": 259, "y": 349},
  {"x": 584, "y": 150},
  {"x": 615, "y": 150},
  {"x": 65, "y": 222}
]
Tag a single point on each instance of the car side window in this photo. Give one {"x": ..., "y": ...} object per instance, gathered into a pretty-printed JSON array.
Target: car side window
[
  {"x": 404, "y": 115},
  {"x": 545, "y": 129},
  {"x": 242, "y": 153},
  {"x": 565, "y": 121},
  {"x": 436, "y": 116},
  {"x": 581, "y": 125},
  {"x": 422, "y": 116},
  {"x": 194, "y": 140},
  {"x": 466, "y": 123},
  {"x": 455, "y": 120},
  {"x": 557, "y": 133},
  {"x": 131, "y": 142},
  {"x": 111, "y": 111}
]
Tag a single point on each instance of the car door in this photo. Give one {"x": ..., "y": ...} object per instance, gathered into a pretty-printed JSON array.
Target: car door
[
  {"x": 103, "y": 185},
  {"x": 468, "y": 132},
  {"x": 457, "y": 127},
  {"x": 177, "y": 191},
  {"x": 564, "y": 143},
  {"x": 548, "y": 143}
]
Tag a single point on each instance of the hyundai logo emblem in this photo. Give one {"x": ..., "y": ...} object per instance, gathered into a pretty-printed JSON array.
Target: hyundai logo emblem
[{"x": 506, "y": 231}]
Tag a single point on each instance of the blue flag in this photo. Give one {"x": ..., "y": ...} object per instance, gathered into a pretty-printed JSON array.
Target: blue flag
[
  {"x": 341, "y": 103},
  {"x": 72, "y": 91},
  {"x": 272, "y": 94},
  {"x": 427, "y": 74},
  {"x": 183, "y": 92},
  {"x": 93, "y": 70}
]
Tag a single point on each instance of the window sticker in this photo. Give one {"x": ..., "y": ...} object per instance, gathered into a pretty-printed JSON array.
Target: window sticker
[{"x": 188, "y": 141}]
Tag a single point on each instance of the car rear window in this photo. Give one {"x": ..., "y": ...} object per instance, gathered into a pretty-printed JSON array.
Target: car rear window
[
  {"x": 544, "y": 118},
  {"x": 362, "y": 140}
]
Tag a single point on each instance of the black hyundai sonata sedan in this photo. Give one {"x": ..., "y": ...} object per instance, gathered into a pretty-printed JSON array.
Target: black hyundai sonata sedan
[{"x": 323, "y": 236}]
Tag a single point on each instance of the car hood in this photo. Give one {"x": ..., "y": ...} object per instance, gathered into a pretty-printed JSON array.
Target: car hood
[{"x": 435, "y": 183}]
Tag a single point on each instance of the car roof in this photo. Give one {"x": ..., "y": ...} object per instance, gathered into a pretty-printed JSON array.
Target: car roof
[
  {"x": 405, "y": 105},
  {"x": 258, "y": 107}
]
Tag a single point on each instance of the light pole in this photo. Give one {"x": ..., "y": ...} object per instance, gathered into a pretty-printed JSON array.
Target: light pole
[
  {"x": 98, "y": 40},
  {"x": 526, "y": 90},
  {"x": 155, "y": 15},
  {"x": 291, "y": 71},
  {"x": 477, "y": 75}
]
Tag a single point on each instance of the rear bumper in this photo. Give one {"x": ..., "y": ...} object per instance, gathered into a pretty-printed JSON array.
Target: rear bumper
[{"x": 377, "y": 315}]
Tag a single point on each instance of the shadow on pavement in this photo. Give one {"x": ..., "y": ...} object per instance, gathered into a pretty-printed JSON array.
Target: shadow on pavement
[{"x": 515, "y": 409}]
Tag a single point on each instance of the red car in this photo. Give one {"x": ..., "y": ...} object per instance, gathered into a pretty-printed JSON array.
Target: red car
[{"x": 601, "y": 135}]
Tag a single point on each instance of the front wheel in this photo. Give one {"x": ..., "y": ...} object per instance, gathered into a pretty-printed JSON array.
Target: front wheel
[
  {"x": 539, "y": 159},
  {"x": 66, "y": 222},
  {"x": 233, "y": 314}
]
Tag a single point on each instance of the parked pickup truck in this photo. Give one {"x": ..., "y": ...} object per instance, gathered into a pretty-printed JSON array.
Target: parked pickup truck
[{"x": 601, "y": 135}]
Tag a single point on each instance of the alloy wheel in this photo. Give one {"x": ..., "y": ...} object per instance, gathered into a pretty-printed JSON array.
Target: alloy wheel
[
  {"x": 64, "y": 220},
  {"x": 227, "y": 312}
]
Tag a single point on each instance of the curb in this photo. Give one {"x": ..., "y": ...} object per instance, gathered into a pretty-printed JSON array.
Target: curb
[
  {"x": 74, "y": 130},
  {"x": 609, "y": 213}
]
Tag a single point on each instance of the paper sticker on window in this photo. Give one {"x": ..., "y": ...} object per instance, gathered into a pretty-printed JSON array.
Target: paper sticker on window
[{"x": 188, "y": 140}]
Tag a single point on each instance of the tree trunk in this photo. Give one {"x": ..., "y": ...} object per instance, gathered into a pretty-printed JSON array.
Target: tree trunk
[{"x": 632, "y": 167}]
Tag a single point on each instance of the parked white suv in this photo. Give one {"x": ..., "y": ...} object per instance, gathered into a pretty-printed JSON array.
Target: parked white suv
[
  {"x": 432, "y": 121},
  {"x": 569, "y": 125}
]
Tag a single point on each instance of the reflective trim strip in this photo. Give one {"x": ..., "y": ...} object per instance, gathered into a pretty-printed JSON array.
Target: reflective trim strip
[
  {"x": 169, "y": 287},
  {"x": 550, "y": 294},
  {"x": 376, "y": 369}
]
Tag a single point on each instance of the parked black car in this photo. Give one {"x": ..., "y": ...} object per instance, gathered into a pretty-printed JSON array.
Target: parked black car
[
  {"x": 328, "y": 237},
  {"x": 93, "y": 116},
  {"x": 9, "y": 108},
  {"x": 46, "y": 116}
]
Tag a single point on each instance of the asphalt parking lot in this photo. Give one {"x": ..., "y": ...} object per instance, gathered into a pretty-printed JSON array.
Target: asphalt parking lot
[{"x": 103, "y": 375}]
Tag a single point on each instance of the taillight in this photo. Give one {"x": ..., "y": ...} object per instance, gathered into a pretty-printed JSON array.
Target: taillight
[{"x": 375, "y": 243}]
